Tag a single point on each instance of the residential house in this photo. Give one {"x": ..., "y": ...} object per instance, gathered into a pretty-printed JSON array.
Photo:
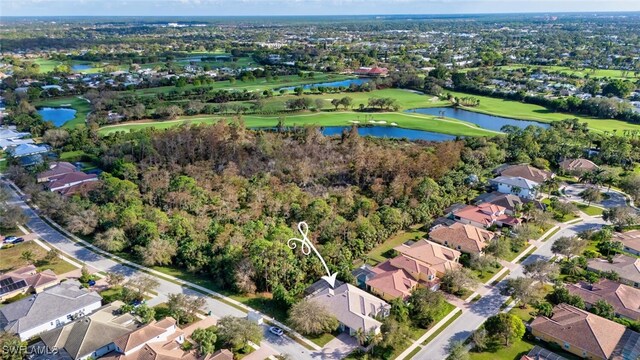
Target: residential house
[
  {"x": 624, "y": 299},
  {"x": 24, "y": 280},
  {"x": 48, "y": 310},
  {"x": 577, "y": 166},
  {"x": 222, "y": 354},
  {"x": 156, "y": 339},
  {"x": 627, "y": 267},
  {"x": 462, "y": 237},
  {"x": 513, "y": 204},
  {"x": 55, "y": 170},
  {"x": 91, "y": 336},
  {"x": 437, "y": 257},
  {"x": 519, "y": 186},
  {"x": 630, "y": 241},
  {"x": 372, "y": 71},
  {"x": 354, "y": 308},
  {"x": 27, "y": 150},
  {"x": 391, "y": 282},
  {"x": 525, "y": 171},
  {"x": 485, "y": 215},
  {"x": 9, "y": 137},
  {"x": 587, "y": 335},
  {"x": 70, "y": 183}
]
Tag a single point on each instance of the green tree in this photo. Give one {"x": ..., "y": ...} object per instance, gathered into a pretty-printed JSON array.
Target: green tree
[
  {"x": 506, "y": 327},
  {"x": 521, "y": 289},
  {"x": 28, "y": 256},
  {"x": 425, "y": 306},
  {"x": 237, "y": 332},
  {"x": 591, "y": 194},
  {"x": 145, "y": 313},
  {"x": 206, "y": 339},
  {"x": 603, "y": 308},
  {"x": 457, "y": 280},
  {"x": 311, "y": 318}
]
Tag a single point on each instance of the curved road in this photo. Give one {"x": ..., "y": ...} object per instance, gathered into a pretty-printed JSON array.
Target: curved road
[
  {"x": 490, "y": 303},
  {"x": 277, "y": 345}
]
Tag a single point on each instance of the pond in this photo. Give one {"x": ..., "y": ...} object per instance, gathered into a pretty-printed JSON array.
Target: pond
[
  {"x": 485, "y": 121},
  {"x": 58, "y": 116},
  {"x": 331, "y": 84},
  {"x": 390, "y": 132},
  {"x": 81, "y": 67}
]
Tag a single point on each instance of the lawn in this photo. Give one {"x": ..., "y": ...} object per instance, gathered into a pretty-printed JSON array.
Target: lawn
[
  {"x": 486, "y": 275},
  {"x": 3, "y": 165},
  {"x": 523, "y": 111},
  {"x": 589, "y": 210},
  {"x": 556, "y": 215},
  {"x": 11, "y": 259},
  {"x": 81, "y": 106},
  {"x": 444, "y": 326},
  {"x": 324, "y": 118},
  {"x": 380, "y": 253},
  {"x": 322, "y": 340}
]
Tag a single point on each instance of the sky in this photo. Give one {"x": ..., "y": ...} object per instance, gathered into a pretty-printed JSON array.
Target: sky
[{"x": 300, "y": 7}]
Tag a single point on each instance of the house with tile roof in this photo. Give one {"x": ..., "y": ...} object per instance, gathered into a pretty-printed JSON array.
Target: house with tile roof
[
  {"x": 49, "y": 309},
  {"x": 587, "y": 335},
  {"x": 56, "y": 169},
  {"x": 462, "y": 237},
  {"x": 577, "y": 166},
  {"x": 519, "y": 186},
  {"x": 630, "y": 241},
  {"x": 484, "y": 216},
  {"x": 24, "y": 280},
  {"x": 390, "y": 282},
  {"x": 91, "y": 336},
  {"x": 525, "y": 171},
  {"x": 512, "y": 203},
  {"x": 67, "y": 183},
  {"x": 626, "y": 266},
  {"x": 353, "y": 308},
  {"x": 539, "y": 353},
  {"x": 624, "y": 299},
  {"x": 437, "y": 258}
]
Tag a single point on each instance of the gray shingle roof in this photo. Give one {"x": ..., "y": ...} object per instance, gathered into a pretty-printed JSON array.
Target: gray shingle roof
[
  {"x": 516, "y": 181},
  {"x": 46, "y": 306}
]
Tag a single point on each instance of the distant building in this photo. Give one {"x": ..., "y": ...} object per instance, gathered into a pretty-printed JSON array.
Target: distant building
[
  {"x": 485, "y": 215},
  {"x": 27, "y": 150},
  {"x": 624, "y": 299},
  {"x": 525, "y": 171},
  {"x": 587, "y": 335},
  {"x": 512, "y": 203},
  {"x": 626, "y": 266},
  {"x": 371, "y": 72},
  {"x": 577, "y": 166},
  {"x": 49, "y": 309},
  {"x": 519, "y": 186}
]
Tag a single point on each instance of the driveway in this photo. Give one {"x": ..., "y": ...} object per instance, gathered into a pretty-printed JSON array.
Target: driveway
[
  {"x": 491, "y": 302},
  {"x": 338, "y": 348},
  {"x": 614, "y": 199}
]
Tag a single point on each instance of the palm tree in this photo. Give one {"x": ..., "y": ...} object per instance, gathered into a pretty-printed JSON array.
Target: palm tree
[
  {"x": 28, "y": 256},
  {"x": 361, "y": 336}
]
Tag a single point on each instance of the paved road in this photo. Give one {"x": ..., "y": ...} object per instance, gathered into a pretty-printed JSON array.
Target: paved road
[
  {"x": 490, "y": 303},
  {"x": 283, "y": 345}
]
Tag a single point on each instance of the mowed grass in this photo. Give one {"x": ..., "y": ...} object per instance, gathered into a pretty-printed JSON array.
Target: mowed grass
[
  {"x": 522, "y": 111},
  {"x": 379, "y": 253},
  {"x": 590, "y": 210},
  {"x": 81, "y": 106},
  {"x": 593, "y": 73},
  {"x": 339, "y": 118},
  {"x": 252, "y": 85},
  {"x": 12, "y": 259}
]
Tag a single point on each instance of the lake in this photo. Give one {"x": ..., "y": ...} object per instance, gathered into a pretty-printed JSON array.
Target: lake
[
  {"x": 81, "y": 67},
  {"x": 331, "y": 84},
  {"x": 485, "y": 121},
  {"x": 58, "y": 116},
  {"x": 390, "y": 132}
]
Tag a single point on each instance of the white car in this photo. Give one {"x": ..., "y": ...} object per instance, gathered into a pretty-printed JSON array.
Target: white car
[{"x": 276, "y": 331}]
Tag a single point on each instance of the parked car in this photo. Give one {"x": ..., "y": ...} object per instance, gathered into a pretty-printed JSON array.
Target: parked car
[
  {"x": 13, "y": 240},
  {"x": 276, "y": 331}
]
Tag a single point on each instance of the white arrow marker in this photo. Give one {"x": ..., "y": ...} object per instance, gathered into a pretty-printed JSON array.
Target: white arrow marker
[{"x": 307, "y": 246}]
